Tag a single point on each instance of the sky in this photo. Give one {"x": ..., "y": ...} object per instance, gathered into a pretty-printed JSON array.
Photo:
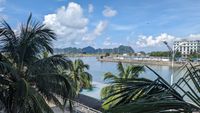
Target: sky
[{"x": 141, "y": 24}]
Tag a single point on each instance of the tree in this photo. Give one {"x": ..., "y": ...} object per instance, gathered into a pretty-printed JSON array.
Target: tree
[
  {"x": 142, "y": 52},
  {"x": 193, "y": 55},
  {"x": 164, "y": 54},
  {"x": 82, "y": 79},
  {"x": 107, "y": 54},
  {"x": 160, "y": 54},
  {"x": 27, "y": 81},
  {"x": 140, "y": 95},
  {"x": 124, "y": 74},
  {"x": 178, "y": 54}
]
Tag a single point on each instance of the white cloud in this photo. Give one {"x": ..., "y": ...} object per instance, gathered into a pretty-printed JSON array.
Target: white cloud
[
  {"x": 90, "y": 8},
  {"x": 68, "y": 23},
  {"x": 71, "y": 26},
  {"x": 146, "y": 41},
  {"x": 194, "y": 37},
  {"x": 97, "y": 31},
  {"x": 109, "y": 12},
  {"x": 100, "y": 27}
]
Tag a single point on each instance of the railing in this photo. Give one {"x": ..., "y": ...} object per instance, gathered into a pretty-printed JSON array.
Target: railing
[{"x": 80, "y": 108}]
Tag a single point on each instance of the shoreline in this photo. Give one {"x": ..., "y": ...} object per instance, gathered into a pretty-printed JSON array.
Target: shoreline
[{"x": 144, "y": 62}]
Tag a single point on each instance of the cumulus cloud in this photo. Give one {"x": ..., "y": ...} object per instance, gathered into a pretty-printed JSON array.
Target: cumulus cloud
[
  {"x": 71, "y": 26},
  {"x": 145, "y": 41},
  {"x": 68, "y": 22},
  {"x": 90, "y": 8},
  {"x": 96, "y": 32},
  {"x": 194, "y": 37},
  {"x": 109, "y": 12}
]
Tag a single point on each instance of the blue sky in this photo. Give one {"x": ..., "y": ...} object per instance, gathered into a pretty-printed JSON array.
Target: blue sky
[{"x": 142, "y": 24}]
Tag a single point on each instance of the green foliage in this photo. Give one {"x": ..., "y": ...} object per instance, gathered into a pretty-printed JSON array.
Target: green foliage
[
  {"x": 101, "y": 57},
  {"x": 124, "y": 74},
  {"x": 27, "y": 81},
  {"x": 194, "y": 55},
  {"x": 160, "y": 54},
  {"x": 164, "y": 54},
  {"x": 142, "y": 52},
  {"x": 140, "y": 95},
  {"x": 107, "y": 54},
  {"x": 178, "y": 54},
  {"x": 82, "y": 79}
]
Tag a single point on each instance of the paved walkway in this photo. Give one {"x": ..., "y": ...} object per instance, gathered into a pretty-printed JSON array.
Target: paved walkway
[{"x": 81, "y": 104}]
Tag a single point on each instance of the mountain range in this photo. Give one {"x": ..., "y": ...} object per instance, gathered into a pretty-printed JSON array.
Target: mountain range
[{"x": 91, "y": 50}]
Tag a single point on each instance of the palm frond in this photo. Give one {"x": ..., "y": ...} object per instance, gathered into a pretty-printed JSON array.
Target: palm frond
[
  {"x": 36, "y": 103},
  {"x": 109, "y": 76},
  {"x": 54, "y": 64},
  {"x": 28, "y": 81},
  {"x": 80, "y": 77},
  {"x": 86, "y": 79},
  {"x": 34, "y": 38},
  {"x": 140, "y": 95},
  {"x": 8, "y": 40},
  {"x": 120, "y": 68}
]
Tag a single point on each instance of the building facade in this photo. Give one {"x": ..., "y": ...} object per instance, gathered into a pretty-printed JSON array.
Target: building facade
[{"x": 187, "y": 47}]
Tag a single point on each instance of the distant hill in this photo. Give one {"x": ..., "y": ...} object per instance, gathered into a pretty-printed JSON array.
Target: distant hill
[{"x": 90, "y": 50}]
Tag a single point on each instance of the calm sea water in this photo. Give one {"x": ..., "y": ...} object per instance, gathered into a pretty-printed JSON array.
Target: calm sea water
[{"x": 98, "y": 69}]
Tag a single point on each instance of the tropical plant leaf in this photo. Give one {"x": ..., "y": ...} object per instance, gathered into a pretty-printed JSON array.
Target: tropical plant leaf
[{"x": 140, "y": 95}]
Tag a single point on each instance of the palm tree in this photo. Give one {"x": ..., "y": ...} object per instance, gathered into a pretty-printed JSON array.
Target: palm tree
[
  {"x": 140, "y": 95},
  {"x": 28, "y": 82},
  {"x": 81, "y": 78},
  {"x": 130, "y": 72}
]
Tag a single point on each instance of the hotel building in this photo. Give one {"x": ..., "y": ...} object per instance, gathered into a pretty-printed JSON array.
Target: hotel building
[{"x": 187, "y": 47}]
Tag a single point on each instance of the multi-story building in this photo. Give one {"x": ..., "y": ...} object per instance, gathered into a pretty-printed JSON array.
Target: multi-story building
[{"x": 187, "y": 47}]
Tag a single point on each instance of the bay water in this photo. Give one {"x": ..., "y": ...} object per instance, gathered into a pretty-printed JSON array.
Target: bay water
[{"x": 98, "y": 69}]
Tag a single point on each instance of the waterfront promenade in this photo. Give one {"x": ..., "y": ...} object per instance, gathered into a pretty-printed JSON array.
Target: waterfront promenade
[
  {"x": 81, "y": 104},
  {"x": 143, "y": 61}
]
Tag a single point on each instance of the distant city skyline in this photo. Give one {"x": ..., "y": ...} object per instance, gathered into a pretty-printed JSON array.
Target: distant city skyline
[{"x": 141, "y": 24}]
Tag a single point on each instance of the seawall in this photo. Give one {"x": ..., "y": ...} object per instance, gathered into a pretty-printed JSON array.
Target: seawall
[{"x": 144, "y": 62}]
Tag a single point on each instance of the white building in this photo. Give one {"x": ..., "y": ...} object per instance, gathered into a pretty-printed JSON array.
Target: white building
[{"x": 187, "y": 47}]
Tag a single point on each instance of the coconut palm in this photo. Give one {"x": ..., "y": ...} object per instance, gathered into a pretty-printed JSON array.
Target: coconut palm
[
  {"x": 82, "y": 79},
  {"x": 130, "y": 72},
  {"x": 140, "y": 95},
  {"x": 27, "y": 82}
]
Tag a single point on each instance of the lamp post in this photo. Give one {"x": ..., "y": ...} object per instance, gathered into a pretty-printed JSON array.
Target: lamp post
[{"x": 173, "y": 52}]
